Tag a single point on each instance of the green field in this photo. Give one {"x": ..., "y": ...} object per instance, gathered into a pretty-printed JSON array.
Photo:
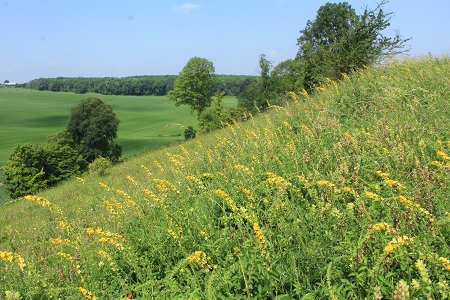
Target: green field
[{"x": 32, "y": 116}]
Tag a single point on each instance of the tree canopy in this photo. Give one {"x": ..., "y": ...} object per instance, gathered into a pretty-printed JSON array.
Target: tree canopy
[
  {"x": 93, "y": 127},
  {"x": 340, "y": 41},
  {"x": 194, "y": 85}
]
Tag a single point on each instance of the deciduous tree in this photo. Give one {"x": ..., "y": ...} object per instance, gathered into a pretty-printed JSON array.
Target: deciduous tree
[
  {"x": 340, "y": 41},
  {"x": 93, "y": 127},
  {"x": 194, "y": 85}
]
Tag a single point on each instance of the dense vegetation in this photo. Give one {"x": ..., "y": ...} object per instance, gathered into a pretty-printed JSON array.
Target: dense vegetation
[
  {"x": 89, "y": 135},
  {"x": 342, "y": 194},
  {"x": 232, "y": 85}
]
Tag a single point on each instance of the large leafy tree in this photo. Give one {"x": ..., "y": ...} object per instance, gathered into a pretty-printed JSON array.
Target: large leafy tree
[
  {"x": 340, "y": 41},
  {"x": 194, "y": 85},
  {"x": 93, "y": 127}
]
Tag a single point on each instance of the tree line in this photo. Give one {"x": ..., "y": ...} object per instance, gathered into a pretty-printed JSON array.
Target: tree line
[{"x": 158, "y": 85}]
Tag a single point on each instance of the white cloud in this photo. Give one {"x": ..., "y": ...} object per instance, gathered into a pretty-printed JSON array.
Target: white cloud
[
  {"x": 186, "y": 8},
  {"x": 275, "y": 53}
]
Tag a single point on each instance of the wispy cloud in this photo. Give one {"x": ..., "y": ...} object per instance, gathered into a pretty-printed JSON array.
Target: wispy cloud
[
  {"x": 186, "y": 8},
  {"x": 275, "y": 53}
]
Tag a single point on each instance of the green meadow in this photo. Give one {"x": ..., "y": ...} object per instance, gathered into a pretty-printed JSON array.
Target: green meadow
[
  {"x": 339, "y": 194},
  {"x": 32, "y": 116}
]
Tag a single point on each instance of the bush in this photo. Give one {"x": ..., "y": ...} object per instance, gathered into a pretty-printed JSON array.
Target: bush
[
  {"x": 32, "y": 168},
  {"x": 100, "y": 166},
  {"x": 190, "y": 133}
]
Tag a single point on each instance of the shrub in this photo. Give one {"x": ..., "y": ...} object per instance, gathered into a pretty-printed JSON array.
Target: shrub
[
  {"x": 100, "y": 166},
  {"x": 190, "y": 133}
]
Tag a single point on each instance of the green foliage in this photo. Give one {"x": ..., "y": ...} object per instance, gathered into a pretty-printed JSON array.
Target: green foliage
[
  {"x": 33, "y": 168},
  {"x": 24, "y": 172},
  {"x": 158, "y": 85},
  {"x": 194, "y": 85},
  {"x": 219, "y": 116},
  {"x": 339, "y": 41},
  {"x": 101, "y": 166},
  {"x": 190, "y": 133},
  {"x": 93, "y": 127}
]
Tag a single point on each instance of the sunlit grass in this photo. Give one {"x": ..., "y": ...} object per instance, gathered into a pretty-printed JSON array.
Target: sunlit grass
[{"x": 342, "y": 194}]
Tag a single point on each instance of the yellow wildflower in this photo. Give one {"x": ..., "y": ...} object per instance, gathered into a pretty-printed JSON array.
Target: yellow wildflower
[
  {"x": 199, "y": 257},
  {"x": 39, "y": 200},
  {"x": 325, "y": 183},
  {"x": 260, "y": 237},
  {"x": 227, "y": 198},
  {"x": 86, "y": 293},
  {"x": 396, "y": 242},
  {"x": 443, "y": 155},
  {"x": 172, "y": 233},
  {"x": 382, "y": 226},
  {"x": 372, "y": 196},
  {"x": 437, "y": 164}
]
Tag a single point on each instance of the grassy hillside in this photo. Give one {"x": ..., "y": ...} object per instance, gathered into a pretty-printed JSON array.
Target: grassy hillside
[{"x": 339, "y": 195}]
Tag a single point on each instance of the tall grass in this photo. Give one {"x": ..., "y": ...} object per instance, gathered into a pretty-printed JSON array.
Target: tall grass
[{"x": 339, "y": 195}]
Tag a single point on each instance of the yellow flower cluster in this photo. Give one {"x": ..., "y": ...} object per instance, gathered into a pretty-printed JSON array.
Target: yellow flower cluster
[
  {"x": 65, "y": 226},
  {"x": 287, "y": 125},
  {"x": 175, "y": 160},
  {"x": 163, "y": 185},
  {"x": 307, "y": 130},
  {"x": 243, "y": 169},
  {"x": 373, "y": 196},
  {"x": 394, "y": 183},
  {"x": 415, "y": 206},
  {"x": 350, "y": 191},
  {"x": 104, "y": 186},
  {"x": 172, "y": 233},
  {"x": 261, "y": 239},
  {"x": 59, "y": 241},
  {"x": 443, "y": 155},
  {"x": 248, "y": 194},
  {"x": 131, "y": 179},
  {"x": 445, "y": 262},
  {"x": 86, "y": 293},
  {"x": 66, "y": 256},
  {"x": 108, "y": 258},
  {"x": 107, "y": 237},
  {"x": 396, "y": 242},
  {"x": 13, "y": 257},
  {"x": 383, "y": 226},
  {"x": 197, "y": 181},
  {"x": 152, "y": 195},
  {"x": 277, "y": 180},
  {"x": 113, "y": 242},
  {"x": 39, "y": 200},
  {"x": 200, "y": 258},
  {"x": 208, "y": 175},
  {"x": 326, "y": 183},
  {"x": 227, "y": 198},
  {"x": 147, "y": 171}
]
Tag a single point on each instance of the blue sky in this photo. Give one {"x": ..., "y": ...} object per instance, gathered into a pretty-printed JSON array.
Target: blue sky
[{"x": 97, "y": 38}]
